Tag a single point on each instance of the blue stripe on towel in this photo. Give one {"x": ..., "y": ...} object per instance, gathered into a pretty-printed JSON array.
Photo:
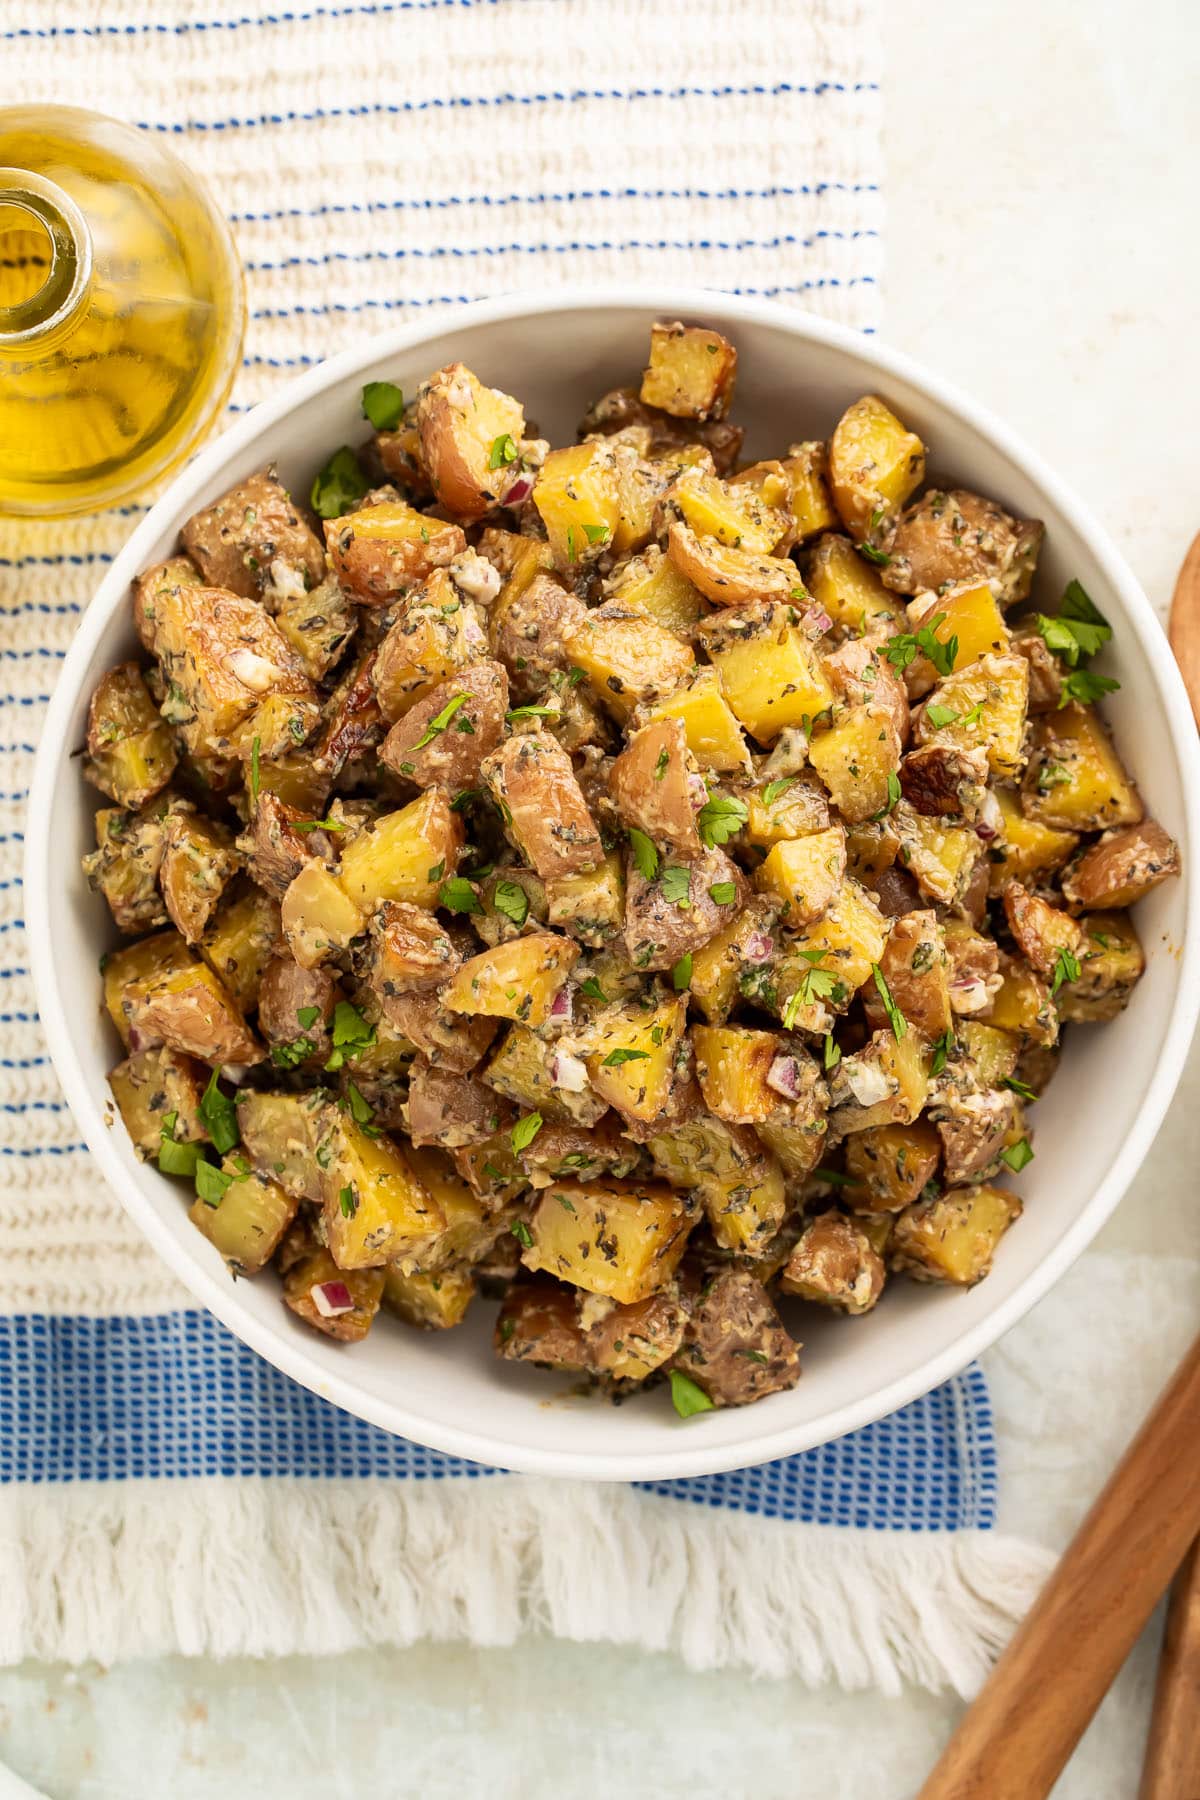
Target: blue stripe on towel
[{"x": 175, "y": 1395}]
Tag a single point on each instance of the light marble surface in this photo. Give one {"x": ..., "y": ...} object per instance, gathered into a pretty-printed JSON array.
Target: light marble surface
[{"x": 1041, "y": 166}]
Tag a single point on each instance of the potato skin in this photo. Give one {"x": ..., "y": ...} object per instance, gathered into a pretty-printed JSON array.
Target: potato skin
[
  {"x": 735, "y": 1346},
  {"x": 658, "y": 931},
  {"x": 654, "y": 783},
  {"x": 537, "y": 792},
  {"x": 254, "y": 541},
  {"x": 459, "y": 420},
  {"x": 451, "y": 757},
  {"x": 384, "y": 551},
  {"x": 1122, "y": 868},
  {"x": 952, "y": 537}
]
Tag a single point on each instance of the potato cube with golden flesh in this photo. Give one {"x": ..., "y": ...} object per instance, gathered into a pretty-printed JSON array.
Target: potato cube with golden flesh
[
  {"x": 953, "y": 1239},
  {"x": 249, "y": 1218},
  {"x": 341, "y": 1303},
  {"x": 405, "y": 856},
  {"x": 621, "y": 1239},
  {"x": 691, "y": 372},
  {"x": 471, "y": 1227},
  {"x": 631, "y": 1055},
  {"x": 1122, "y": 868},
  {"x": 884, "y": 1083},
  {"x": 735, "y": 515},
  {"x": 651, "y": 584},
  {"x": 915, "y": 969},
  {"x": 589, "y": 907},
  {"x": 153, "y": 1085},
  {"x": 654, "y": 785},
  {"x": 628, "y": 659},
  {"x": 991, "y": 1054},
  {"x": 736, "y": 1349},
  {"x": 231, "y": 676},
  {"x": 800, "y": 484},
  {"x": 469, "y": 437},
  {"x": 956, "y": 538},
  {"x": 576, "y": 494},
  {"x": 790, "y": 806},
  {"x": 804, "y": 875},
  {"x": 384, "y": 551},
  {"x": 129, "y": 973},
  {"x": 318, "y": 918},
  {"x": 375, "y": 1208},
  {"x": 769, "y": 668},
  {"x": 193, "y": 1012},
  {"x": 198, "y": 862},
  {"x": 874, "y": 465},
  {"x": 732, "y": 1066},
  {"x": 833, "y": 1264},
  {"x": 745, "y": 941},
  {"x": 890, "y": 1165},
  {"x": 131, "y": 754},
  {"x": 254, "y": 541},
  {"x": 534, "y": 1074},
  {"x": 840, "y": 949},
  {"x": 540, "y": 801},
  {"x": 628, "y": 1343},
  {"x": 318, "y": 625},
  {"x": 727, "y": 1167},
  {"x": 845, "y": 587},
  {"x": 966, "y": 621},
  {"x": 279, "y": 1135},
  {"x": 983, "y": 707},
  {"x": 1022, "y": 1004},
  {"x": 938, "y": 854},
  {"x": 124, "y": 866},
  {"x": 858, "y": 759},
  {"x": 437, "y": 635},
  {"x": 1049, "y": 939},
  {"x": 714, "y": 736},
  {"x": 517, "y": 980},
  {"x": 429, "y": 1301},
  {"x": 1074, "y": 779},
  {"x": 411, "y": 951},
  {"x": 729, "y": 575},
  {"x": 157, "y": 584},
  {"x": 1111, "y": 963},
  {"x": 1027, "y": 850}
]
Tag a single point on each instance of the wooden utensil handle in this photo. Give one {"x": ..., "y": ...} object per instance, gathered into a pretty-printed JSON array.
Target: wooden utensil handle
[
  {"x": 1016, "y": 1738},
  {"x": 1172, "y": 1767}
]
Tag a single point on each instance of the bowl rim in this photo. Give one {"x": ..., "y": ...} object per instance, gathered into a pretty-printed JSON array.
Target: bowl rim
[{"x": 691, "y": 1458}]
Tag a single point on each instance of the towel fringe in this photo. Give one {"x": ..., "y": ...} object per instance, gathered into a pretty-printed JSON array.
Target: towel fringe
[{"x": 231, "y": 1567}]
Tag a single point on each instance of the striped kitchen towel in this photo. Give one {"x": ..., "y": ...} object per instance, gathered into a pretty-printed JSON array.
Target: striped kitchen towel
[{"x": 160, "y": 1487}]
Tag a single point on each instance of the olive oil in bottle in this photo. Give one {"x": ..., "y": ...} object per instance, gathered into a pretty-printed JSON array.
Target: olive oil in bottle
[{"x": 121, "y": 310}]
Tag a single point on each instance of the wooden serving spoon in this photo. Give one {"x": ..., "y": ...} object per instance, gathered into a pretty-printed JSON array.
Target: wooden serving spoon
[{"x": 1183, "y": 629}]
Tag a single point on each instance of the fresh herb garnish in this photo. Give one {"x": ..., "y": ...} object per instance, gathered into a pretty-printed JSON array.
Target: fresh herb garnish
[
  {"x": 724, "y": 892},
  {"x": 645, "y": 856},
  {"x": 522, "y": 1233},
  {"x": 348, "y": 1201},
  {"x": 339, "y": 484},
  {"x": 220, "y": 1117},
  {"x": 591, "y": 987},
  {"x": 836, "y": 1177},
  {"x": 255, "y": 751},
  {"x": 438, "y": 725},
  {"x": 383, "y": 405},
  {"x": 615, "y": 1058},
  {"x": 773, "y": 789},
  {"x": 525, "y": 1130},
  {"x": 833, "y": 1055},
  {"x": 894, "y": 795},
  {"x": 211, "y": 1183},
  {"x": 719, "y": 818},
  {"x": 307, "y": 1016},
  {"x": 896, "y": 1019},
  {"x": 941, "y": 1049},
  {"x": 1078, "y": 630},
  {"x": 687, "y": 1397},
  {"x": 1066, "y": 968},
  {"x": 1018, "y": 1087},
  {"x": 361, "y": 1110},
  {"x": 351, "y": 1034},
  {"x": 1085, "y": 688},
  {"x": 662, "y": 765},
  {"x": 175, "y": 1158},
  {"x": 597, "y": 534},
  {"x": 290, "y": 1056},
  {"x": 458, "y": 896},
  {"x": 940, "y": 716},
  {"x": 318, "y": 825},
  {"x": 681, "y": 974},
  {"x": 511, "y": 899},
  {"x": 1017, "y": 1155},
  {"x": 534, "y": 712},
  {"x": 676, "y": 885},
  {"x": 879, "y": 557},
  {"x": 503, "y": 452}
]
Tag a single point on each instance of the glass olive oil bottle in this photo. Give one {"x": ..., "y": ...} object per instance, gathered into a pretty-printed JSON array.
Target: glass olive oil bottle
[{"x": 121, "y": 310}]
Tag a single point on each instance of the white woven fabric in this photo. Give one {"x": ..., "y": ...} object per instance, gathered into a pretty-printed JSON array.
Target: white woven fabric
[{"x": 377, "y": 158}]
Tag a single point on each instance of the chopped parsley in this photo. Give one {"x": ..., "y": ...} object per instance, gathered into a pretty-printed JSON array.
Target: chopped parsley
[
  {"x": 1018, "y": 1087},
  {"x": 511, "y": 899},
  {"x": 662, "y": 765},
  {"x": 458, "y": 896},
  {"x": 941, "y": 716},
  {"x": 175, "y": 1158},
  {"x": 597, "y": 534},
  {"x": 941, "y": 1049},
  {"x": 503, "y": 451},
  {"x": 534, "y": 712},
  {"x": 211, "y": 1183},
  {"x": 681, "y": 974},
  {"x": 220, "y": 1117},
  {"x": 833, "y": 1055},
  {"x": 687, "y": 1397},
  {"x": 338, "y": 485},
  {"x": 773, "y": 789},
  {"x": 361, "y": 1110},
  {"x": 438, "y": 725},
  {"x": 525, "y": 1130},
  {"x": 348, "y": 1201},
  {"x": 1079, "y": 630},
  {"x": 383, "y": 404},
  {"x": 592, "y": 989},
  {"x": 351, "y": 1034},
  {"x": 1085, "y": 688},
  {"x": 894, "y": 795},
  {"x": 317, "y": 825},
  {"x": 1066, "y": 968},
  {"x": 896, "y": 1019},
  {"x": 645, "y": 856},
  {"x": 615, "y": 1058},
  {"x": 879, "y": 557},
  {"x": 1017, "y": 1155},
  {"x": 255, "y": 751},
  {"x": 522, "y": 1233},
  {"x": 724, "y": 892},
  {"x": 676, "y": 885},
  {"x": 290, "y": 1056},
  {"x": 307, "y": 1016},
  {"x": 720, "y": 818}
]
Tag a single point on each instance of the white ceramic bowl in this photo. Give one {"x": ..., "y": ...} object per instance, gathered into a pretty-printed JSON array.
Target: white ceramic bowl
[{"x": 1095, "y": 1125}]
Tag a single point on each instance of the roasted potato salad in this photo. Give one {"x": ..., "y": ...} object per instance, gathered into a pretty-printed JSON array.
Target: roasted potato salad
[{"x": 646, "y": 889}]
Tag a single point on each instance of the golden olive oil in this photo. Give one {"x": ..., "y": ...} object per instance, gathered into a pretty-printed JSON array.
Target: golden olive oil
[{"x": 121, "y": 310}]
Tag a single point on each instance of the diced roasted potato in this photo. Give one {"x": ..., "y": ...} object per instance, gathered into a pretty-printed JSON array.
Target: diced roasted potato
[
  {"x": 842, "y": 945},
  {"x": 153, "y": 1085},
  {"x": 858, "y": 759},
  {"x": 382, "y": 552},
  {"x": 733, "y": 514},
  {"x": 627, "y": 657},
  {"x": 318, "y": 625},
  {"x": 1074, "y": 779},
  {"x": 471, "y": 1227},
  {"x": 804, "y": 875},
  {"x": 1111, "y": 963},
  {"x": 533, "y": 1073},
  {"x": 406, "y": 855},
  {"x": 469, "y": 435},
  {"x": 948, "y": 539},
  {"x": 192, "y": 1011},
  {"x": 874, "y": 465},
  {"x": 280, "y": 1134},
  {"x": 430, "y": 1301},
  {"x": 680, "y": 910},
  {"x": 576, "y": 493},
  {"x": 891, "y": 1164},
  {"x": 158, "y": 583},
  {"x": 915, "y": 969},
  {"x": 516, "y": 980},
  {"x": 451, "y": 1110},
  {"x": 493, "y": 1172},
  {"x": 982, "y": 707},
  {"x": 769, "y": 668},
  {"x": 538, "y": 1323},
  {"x": 411, "y": 951},
  {"x": 436, "y": 637},
  {"x": 726, "y": 1166},
  {"x": 131, "y": 753},
  {"x": 1023, "y": 1005},
  {"x": 130, "y": 972},
  {"x": 654, "y": 786},
  {"x": 125, "y": 864},
  {"x": 735, "y": 1347},
  {"x": 745, "y": 941},
  {"x": 732, "y": 1066},
  {"x": 589, "y": 907},
  {"x": 860, "y": 675},
  {"x": 631, "y": 1053},
  {"x": 1122, "y": 868},
  {"x": 374, "y": 1207},
  {"x": 620, "y": 1239},
  {"x": 232, "y": 678},
  {"x": 255, "y": 542},
  {"x": 318, "y": 918},
  {"x": 944, "y": 782},
  {"x": 248, "y": 1220},
  {"x": 340, "y": 1302},
  {"x": 954, "y": 1238},
  {"x": 1048, "y": 938},
  {"x": 939, "y": 855},
  {"x": 966, "y": 621},
  {"x": 451, "y": 1040},
  {"x": 691, "y": 372},
  {"x": 622, "y": 413},
  {"x": 198, "y": 862},
  {"x": 1027, "y": 850},
  {"x": 849, "y": 590},
  {"x": 871, "y": 851},
  {"x": 442, "y": 739},
  {"x": 728, "y": 575},
  {"x": 539, "y": 798},
  {"x": 528, "y": 632},
  {"x": 975, "y": 1129},
  {"x": 799, "y": 483},
  {"x": 834, "y": 1264},
  {"x": 791, "y": 806},
  {"x": 714, "y": 736},
  {"x": 991, "y": 1053},
  {"x": 577, "y": 1153},
  {"x": 650, "y": 583},
  {"x": 884, "y": 1083}
]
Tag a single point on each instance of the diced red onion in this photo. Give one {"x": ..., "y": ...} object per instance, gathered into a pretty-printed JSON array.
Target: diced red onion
[
  {"x": 562, "y": 1005},
  {"x": 758, "y": 948},
  {"x": 969, "y": 994},
  {"x": 990, "y": 822},
  {"x": 697, "y": 791},
  {"x": 142, "y": 1040},
  {"x": 783, "y": 1079},
  {"x": 519, "y": 490},
  {"x": 568, "y": 1073},
  {"x": 815, "y": 621},
  {"x": 331, "y": 1298},
  {"x": 866, "y": 1081}
]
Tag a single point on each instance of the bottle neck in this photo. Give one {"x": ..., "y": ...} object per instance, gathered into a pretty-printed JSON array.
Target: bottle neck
[{"x": 45, "y": 261}]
